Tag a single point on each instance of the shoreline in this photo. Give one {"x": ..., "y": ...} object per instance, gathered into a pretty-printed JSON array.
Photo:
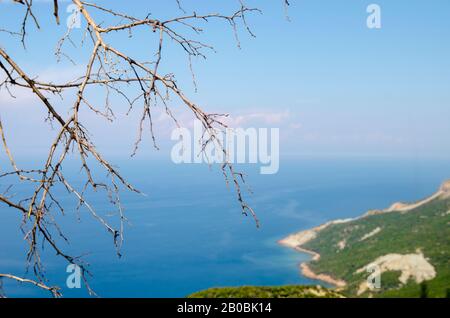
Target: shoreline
[
  {"x": 306, "y": 270},
  {"x": 297, "y": 240}
]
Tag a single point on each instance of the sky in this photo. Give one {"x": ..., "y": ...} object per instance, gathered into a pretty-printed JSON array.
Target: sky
[{"x": 333, "y": 86}]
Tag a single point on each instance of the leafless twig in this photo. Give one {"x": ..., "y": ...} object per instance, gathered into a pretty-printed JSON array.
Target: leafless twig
[{"x": 113, "y": 70}]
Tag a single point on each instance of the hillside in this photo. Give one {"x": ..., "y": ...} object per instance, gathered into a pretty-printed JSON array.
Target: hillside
[
  {"x": 267, "y": 292},
  {"x": 410, "y": 244}
]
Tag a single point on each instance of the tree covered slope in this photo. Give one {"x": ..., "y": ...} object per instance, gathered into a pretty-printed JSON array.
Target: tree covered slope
[
  {"x": 410, "y": 244},
  {"x": 268, "y": 292}
]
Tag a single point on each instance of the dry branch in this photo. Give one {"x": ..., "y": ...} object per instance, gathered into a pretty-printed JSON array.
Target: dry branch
[{"x": 113, "y": 70}]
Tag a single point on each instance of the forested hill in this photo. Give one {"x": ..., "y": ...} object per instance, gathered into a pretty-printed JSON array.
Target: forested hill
[{"x": 408, "y": 243}]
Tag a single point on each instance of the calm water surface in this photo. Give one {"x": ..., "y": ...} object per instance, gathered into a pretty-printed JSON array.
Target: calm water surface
[{"x": 187, "y": 234}]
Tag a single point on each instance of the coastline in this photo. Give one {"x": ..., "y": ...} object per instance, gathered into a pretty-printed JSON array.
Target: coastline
[
  {"x": 306, "y": 270},
  {"x": 296, "y": 241}
]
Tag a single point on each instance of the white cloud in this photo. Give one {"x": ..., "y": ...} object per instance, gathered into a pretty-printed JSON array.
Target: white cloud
[{"x": 267, "y": 118}]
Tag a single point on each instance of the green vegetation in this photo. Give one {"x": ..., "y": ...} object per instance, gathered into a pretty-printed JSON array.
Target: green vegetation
[
  {"x": 267, "y": 292},
  {"x": 413, "y": 245},
  {"x": 424, "y": 229}
]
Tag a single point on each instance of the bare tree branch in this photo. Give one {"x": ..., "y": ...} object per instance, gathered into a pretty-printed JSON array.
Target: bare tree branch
[
  {"x": 53, "y": 290},
  {"x": 112, "y": 70}
]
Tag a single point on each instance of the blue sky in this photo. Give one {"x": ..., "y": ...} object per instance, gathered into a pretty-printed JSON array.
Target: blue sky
[{"x": 333, "y": 86}]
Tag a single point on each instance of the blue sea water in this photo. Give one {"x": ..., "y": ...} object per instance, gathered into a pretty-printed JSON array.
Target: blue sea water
[{"x": 187, "y": 233}]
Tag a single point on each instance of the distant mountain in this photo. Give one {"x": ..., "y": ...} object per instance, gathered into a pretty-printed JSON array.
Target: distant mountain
[{"x": 408, "y": 244}]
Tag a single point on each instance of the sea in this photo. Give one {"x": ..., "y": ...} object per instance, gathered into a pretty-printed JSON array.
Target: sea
[{"x": 186, "y": 233}]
